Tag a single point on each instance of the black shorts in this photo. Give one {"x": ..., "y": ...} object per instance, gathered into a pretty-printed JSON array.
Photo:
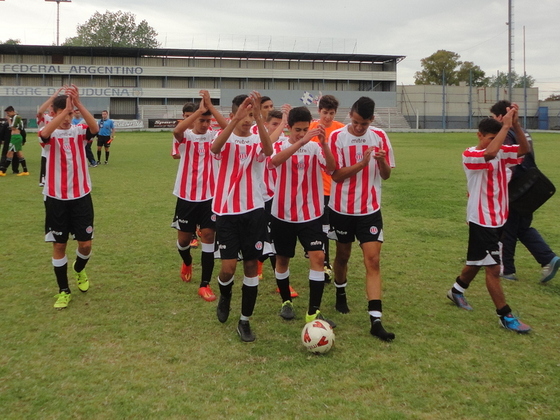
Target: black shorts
[
  {"x": 65, "y": 217},
  {"x": 103, "y": 141},
  {"x": 190, "y": 214},
  {"x": 243, "y": 233},
  {"x": 285, "y": 234},
  {"x": 366, "y": 228},
  {"x": 484, "y": 245}
]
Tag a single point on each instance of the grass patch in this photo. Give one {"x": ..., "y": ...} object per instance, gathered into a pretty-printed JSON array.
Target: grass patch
[{"x": 142, "y": 344}]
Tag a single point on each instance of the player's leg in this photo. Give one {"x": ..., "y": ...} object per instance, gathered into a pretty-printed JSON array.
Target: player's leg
[
  {"x": 185, "y": 226},
  {"x": 81, "y": 224},
  {"x": 23, "y": 163},
  {"x": 284, "y": 237},
  {"x": 207, "y": 237},
  {"x": 107, "y": 146},
  {"x": 227, "y": 244}
]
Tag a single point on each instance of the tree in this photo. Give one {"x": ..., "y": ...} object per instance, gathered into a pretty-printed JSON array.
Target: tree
[
  {"x": 517, "y": 81},
  {"x": 472, "y": 74},
  {"x": 117, "y": 29},
  {"x": 437, "y": 65},
  {"x": 553, "y": 97},
  {"x": 11, "y": 42}
]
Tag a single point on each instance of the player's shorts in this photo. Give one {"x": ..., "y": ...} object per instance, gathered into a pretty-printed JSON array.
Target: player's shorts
[
  {"x": 16, "y": 143},
  {"x": 365, "y": 228},
  {"x": 64, "y": 217},
  {"x": 189, "y": 214},
  {"x": 243, "y": 233},
  {"x": 285, "y": 235},
  {"x": 103, "y": 141},
  {"x": 484, "y": 245}
]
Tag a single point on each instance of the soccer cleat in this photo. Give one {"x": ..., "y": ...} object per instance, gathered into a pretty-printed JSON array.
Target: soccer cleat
[
  {"x": 244, "y": 331},
  {"x": 23, "y": 174},
  {"x": 2, "y": 173},
  {"x": 81, "y": 278},
  {"x": 222, "y": 311},
  {"x": 194, "y": 243},
  {"x": 106, "y": 163},
  {"x": 62, "y": 300},
  {"x": 287, "y": 311},
  {"x": 207, "y": 294},
  {"x": 293, "y": 293},
  {"x": 510, "y": 322},
  {"x": 318, "y": 315},
  {"x": 260, "y": 270},
  {"x": 328, "y": 273},
  {"x": 512, "y": 277},
  {"x": 459, "y": 300},
  {"x": 550, "y": 270},
  {"x": 186, "y": 272},
  {"x": 98, "y": 162}
]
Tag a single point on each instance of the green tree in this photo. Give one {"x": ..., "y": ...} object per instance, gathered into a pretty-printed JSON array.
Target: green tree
[
  {"x": 118, "y": 29},
  {"x": 517, "y": 81},
  {"x": 553, "y": 97},
  {"x": 11, "y": 42},
  {"x": 471, "y": 73},
  {"x": 435, "y": 66}
]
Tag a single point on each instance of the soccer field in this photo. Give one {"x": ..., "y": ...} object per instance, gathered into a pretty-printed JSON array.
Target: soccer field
[{"x": 142, "y": 344}]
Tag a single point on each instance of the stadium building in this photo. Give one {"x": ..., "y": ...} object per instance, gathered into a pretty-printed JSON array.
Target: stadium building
[{"x": 146, "y": 84}]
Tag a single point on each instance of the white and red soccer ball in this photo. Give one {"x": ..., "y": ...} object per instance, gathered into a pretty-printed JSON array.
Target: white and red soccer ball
[{"x": 317, "y": 336}]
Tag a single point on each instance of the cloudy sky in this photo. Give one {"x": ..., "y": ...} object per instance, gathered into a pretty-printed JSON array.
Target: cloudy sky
[{"x": 476, "y": 30}]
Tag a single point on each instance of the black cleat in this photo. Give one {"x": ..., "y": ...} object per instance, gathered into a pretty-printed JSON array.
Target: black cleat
[
  {"x": 244, "y": 331},
  {"x": 222, "y": 311},
  {"x": 378, "y": 331}
]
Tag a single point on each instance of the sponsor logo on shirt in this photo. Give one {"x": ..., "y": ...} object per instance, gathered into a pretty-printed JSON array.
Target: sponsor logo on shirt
[
  {"x": 242, "y": 141},
  {"x": 341, "y": 232},
  {"x": 358, "y": 141},
  {"x": 316, "y": 243}
]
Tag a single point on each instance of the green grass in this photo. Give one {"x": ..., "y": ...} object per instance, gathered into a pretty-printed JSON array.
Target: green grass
[{"x": 142, "y": 344}]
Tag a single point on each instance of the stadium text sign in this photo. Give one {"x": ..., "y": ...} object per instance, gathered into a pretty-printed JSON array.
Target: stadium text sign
[
  {"x": 68, "y": 69},
  {"x": 86, "y": 92}
]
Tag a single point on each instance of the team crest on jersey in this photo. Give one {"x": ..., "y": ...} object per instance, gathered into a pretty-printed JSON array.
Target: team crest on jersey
[
  {"x": 373, "y": 230},
  {"x": 301, "y": 165},
  {"x": 67, "y": 147},
  {"x": 243, "y": 156},
  {"x": 201, "y": 151},
  {"x": 359, "y": 156},
  {"x": 213, "y": 217},
  {"x": 89, "y": 229},
  {"x": 259, "y": 246}
]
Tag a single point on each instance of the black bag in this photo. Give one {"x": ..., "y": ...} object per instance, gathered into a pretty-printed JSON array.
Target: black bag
[{"x": 529, "y": 190}]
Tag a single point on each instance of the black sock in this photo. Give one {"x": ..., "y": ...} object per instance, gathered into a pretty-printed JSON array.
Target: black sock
[
  {"x": 98, "y": 155},
  {"x": 327, "y": 260},
  {"x": 315, "y": 295},
  {"x": 378, "y": 331},
  {"x": 341, "y": 304},
  {"x": 80, "y": 264},
  {"x": 460, "y": 283},
  {"x": 248, "y": 299},
  {"x": 61, "y": 274},
  {"x": 207, "y": 262},
  {"x": 106, "y": 156},
  {"x": 23, "y": 165},
  {"x": 273, "y": 262},
  {"x": 506, "y": 310},
  {"x": 186, "y": 255},
  {"x": 225, "y": 290},
  {"x": 284, "y": 286}
]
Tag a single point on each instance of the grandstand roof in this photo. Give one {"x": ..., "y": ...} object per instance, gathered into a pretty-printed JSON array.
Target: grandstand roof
[{"x": 199, "y": 53}]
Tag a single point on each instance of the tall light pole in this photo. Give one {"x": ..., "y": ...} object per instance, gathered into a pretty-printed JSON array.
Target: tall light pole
[
  {"x": 58, "y": 18},
  {"x": 510, "y": 48}
]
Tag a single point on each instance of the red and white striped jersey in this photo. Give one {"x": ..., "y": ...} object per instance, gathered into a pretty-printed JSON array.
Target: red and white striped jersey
[
  {"x": 42, "y": 122},
  {"x": 195, "y": 177},
  {"x": 299, "y": 184},
  {"x": 487, "y": 185},
  {"x": 67, "y": 175},
  {"x": 238, "y": 170},
  {"x": 359, "y": 194},
  {"x": 270, "y": 177},
  {"x": 175, "y": 145}
]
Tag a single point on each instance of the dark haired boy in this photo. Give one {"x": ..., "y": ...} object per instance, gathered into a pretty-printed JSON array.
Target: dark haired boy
[
  {"x": 487, "y": 209},
  {"x": 16, "y": 142},
  {"x": 518, "y": 226},
  {"x": 298, "y": 207},
  {"x": 194, "y": 189},
  {"x": 240, "y": 159},
  {"x": 68, "y": 204},
  {"x": 364, "y": 157},
  {"x": 328, "y": 106}
]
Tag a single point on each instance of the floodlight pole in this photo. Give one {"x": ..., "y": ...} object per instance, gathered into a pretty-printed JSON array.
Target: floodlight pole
[
  {"x": 510, "y": 48},
  {"x": 58, "y": 19}
]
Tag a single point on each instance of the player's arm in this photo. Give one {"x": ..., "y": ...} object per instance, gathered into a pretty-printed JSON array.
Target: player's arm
[
  {"x": 187, "y": 122},
  {"x": 341, "y": 174},
  {"x": 47, "y": 131},
  {"x": 222, "y": 122},
  {"x": 266, "y": 143},
  {"x": 44, "y": 106},
  {"x": 91, "y": 122},
  {"x": 384, "y": 169},
  {"x": 327, "y": 153},
  {"x": 224, "y": 135},
  {"x": 495, "y": 145},
  {"x": 524, "y": 146},
  {"x": 282, "y": 156}
]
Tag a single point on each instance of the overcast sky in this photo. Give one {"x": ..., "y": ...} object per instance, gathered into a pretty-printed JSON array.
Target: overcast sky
[{"x": 476, "y": 30}]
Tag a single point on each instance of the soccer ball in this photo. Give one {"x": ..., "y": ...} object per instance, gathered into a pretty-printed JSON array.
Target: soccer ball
[{"x": 317, "y": 336}]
